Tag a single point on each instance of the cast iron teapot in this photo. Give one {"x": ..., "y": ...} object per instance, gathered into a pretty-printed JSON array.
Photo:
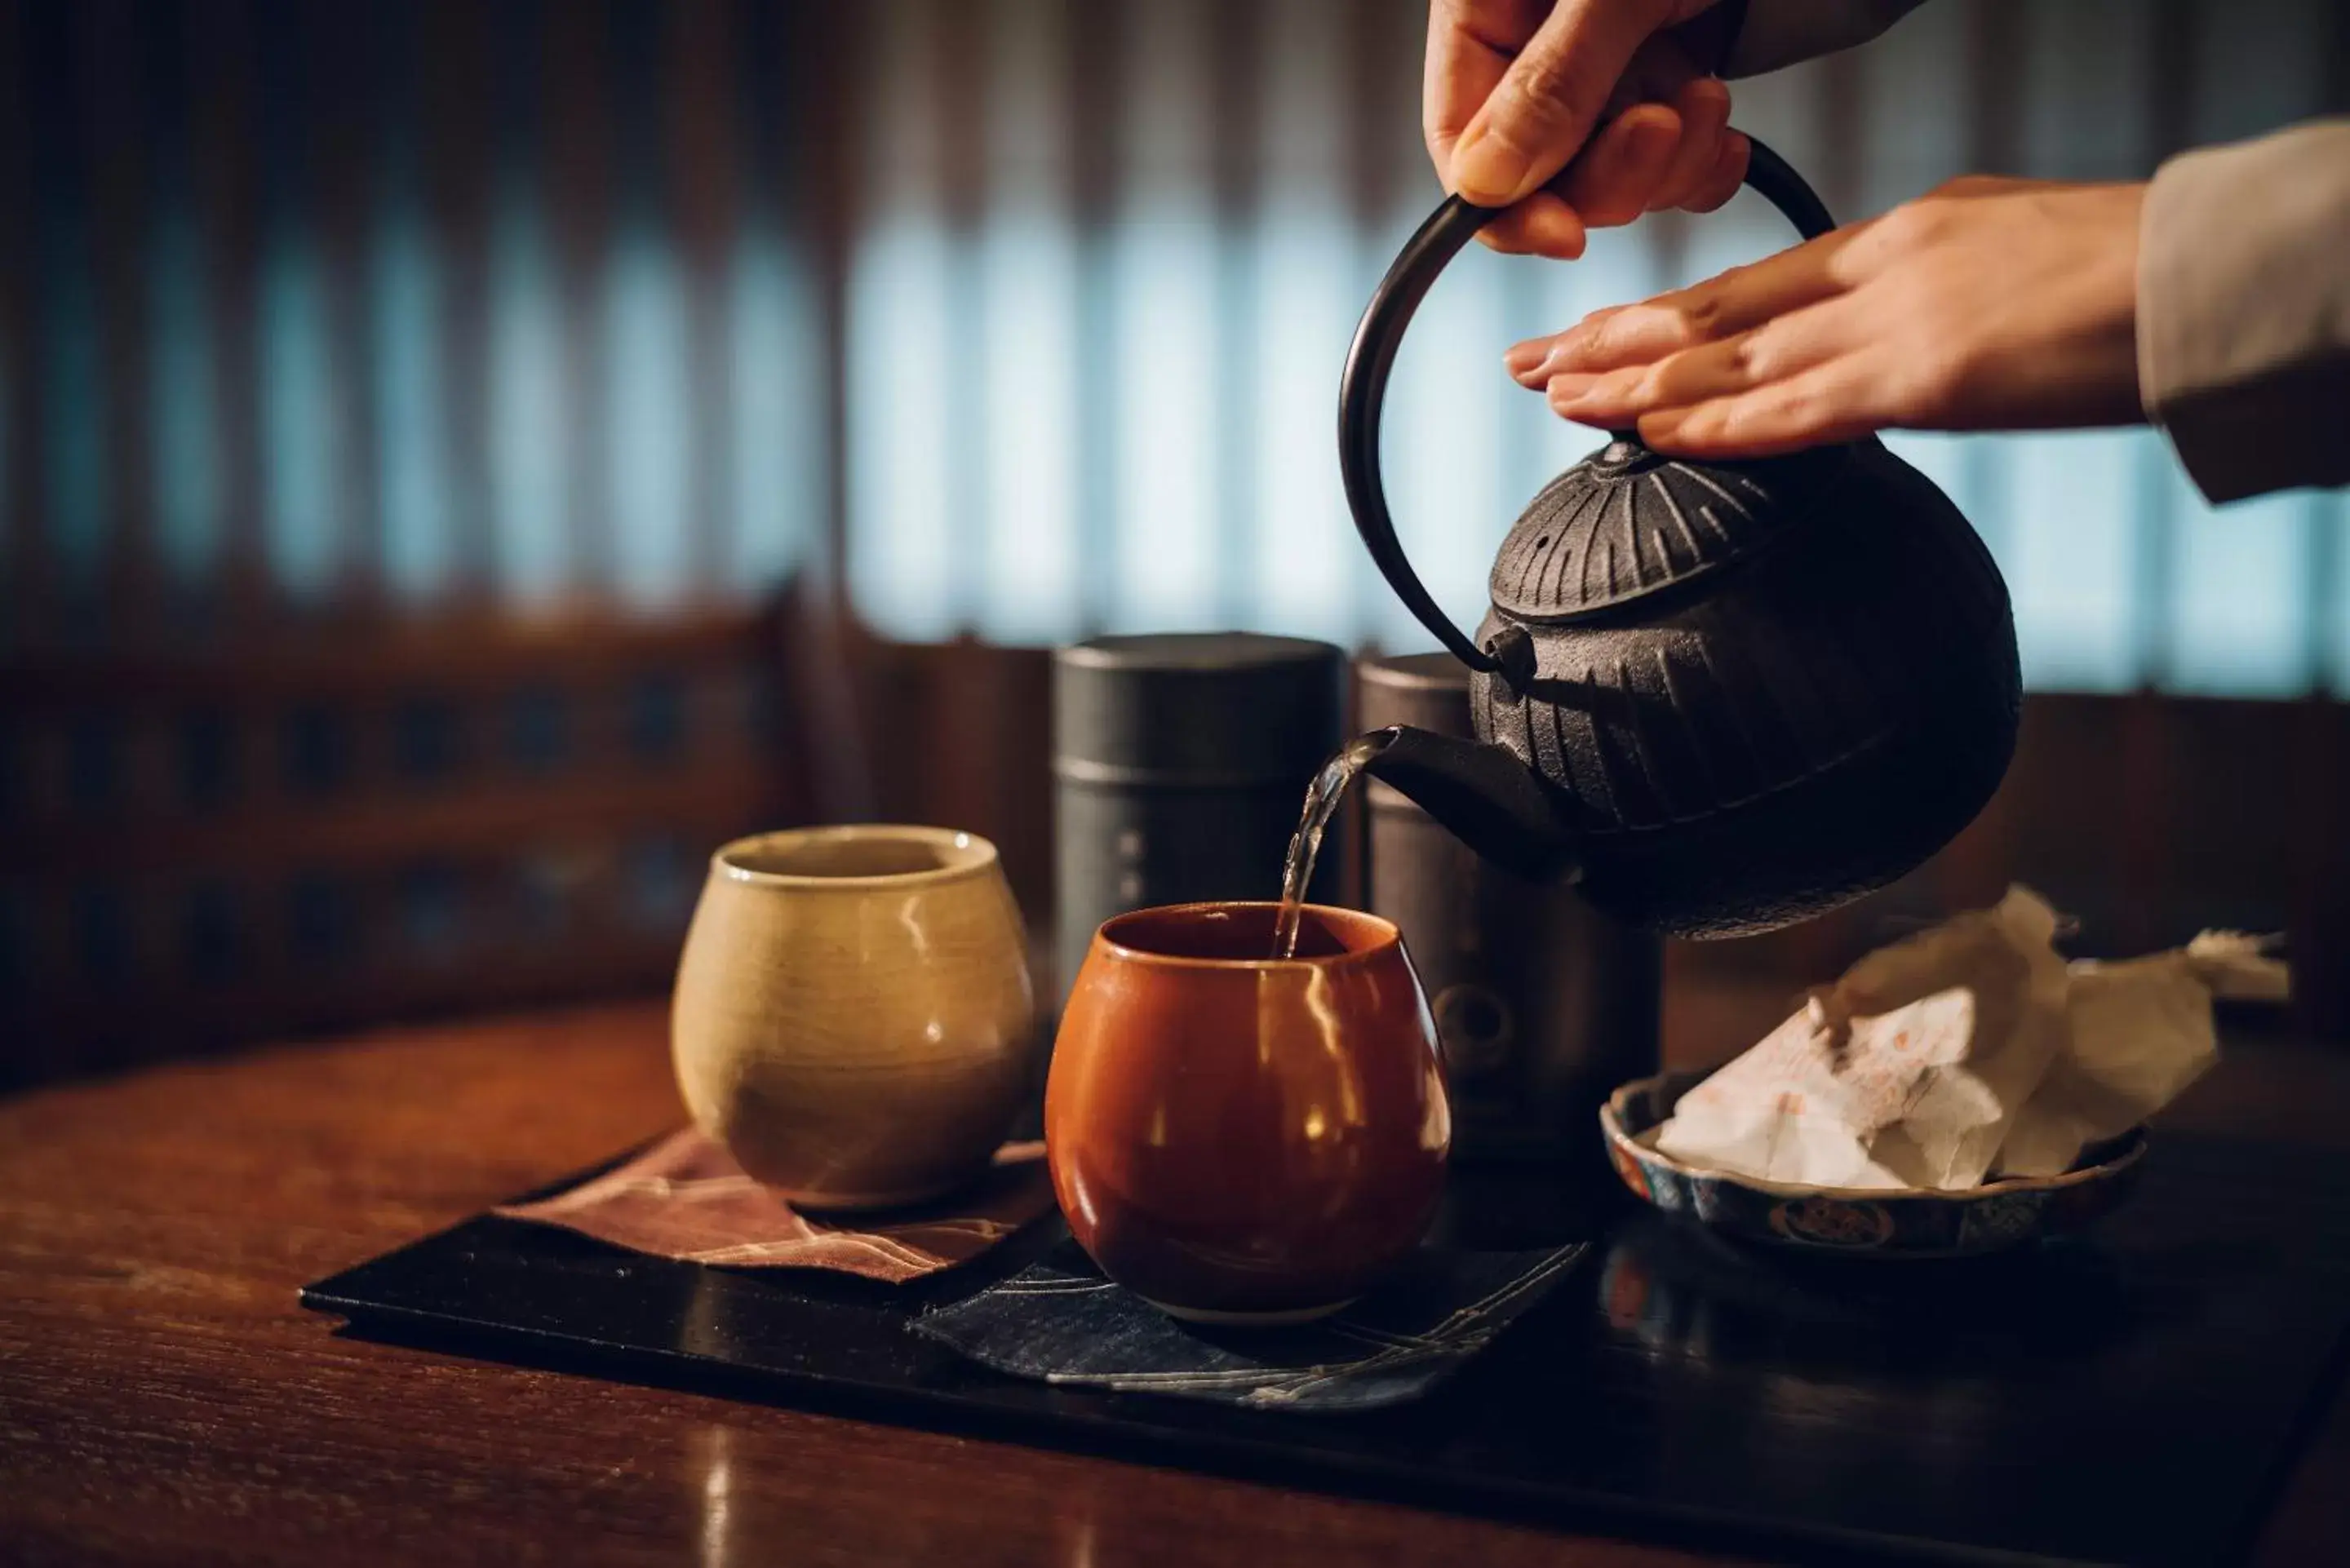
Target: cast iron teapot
[{"x": 1724, "y": 696}]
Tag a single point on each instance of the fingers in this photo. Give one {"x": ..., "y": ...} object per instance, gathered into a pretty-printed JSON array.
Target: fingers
[
  {"x": 1720, "y": 307},
  {"x": 1539, "y": 114},
  {"x": 1469, "y": 45},
  {"x": 1515, "y": 71},
  {"x": 1611, "y": 181},
  {"x": 1703, "y": 106},
  {"x": 1777, "y": 351},
  {"x": 1821, "y": 374},
  {"x": 1528, "y": 362},
  {"x": 1542, "y": 225},
  {"x": 1651, "y": 156},
  {"x": 1655, "y": 156},
  {"x": 1627, "y": 335},
  {"x": 1842, "y": 399},
  {"x": 1721, "y": 181}
]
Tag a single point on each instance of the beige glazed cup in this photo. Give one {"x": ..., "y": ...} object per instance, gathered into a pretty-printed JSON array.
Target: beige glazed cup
[{"x": 852, "y": 1019}]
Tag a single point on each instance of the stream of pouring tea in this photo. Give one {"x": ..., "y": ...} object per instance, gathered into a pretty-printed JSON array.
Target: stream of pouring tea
[{"x": 1323, "y": 798}]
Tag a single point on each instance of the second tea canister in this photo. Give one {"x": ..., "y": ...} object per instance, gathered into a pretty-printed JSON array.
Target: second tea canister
[{"x": 1544, "y": 1004}]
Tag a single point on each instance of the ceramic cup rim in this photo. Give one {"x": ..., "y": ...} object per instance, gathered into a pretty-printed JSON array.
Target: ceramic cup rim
[
  {"x": 965, "y": 855},
  {"x": 1388, "y": 938}
]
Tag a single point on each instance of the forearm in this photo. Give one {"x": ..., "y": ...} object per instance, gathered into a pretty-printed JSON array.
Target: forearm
[{"x": 2243, "y": 310}]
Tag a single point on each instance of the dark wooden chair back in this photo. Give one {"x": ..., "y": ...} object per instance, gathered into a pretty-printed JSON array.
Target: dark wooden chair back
[{"x": 343, "y": 826}]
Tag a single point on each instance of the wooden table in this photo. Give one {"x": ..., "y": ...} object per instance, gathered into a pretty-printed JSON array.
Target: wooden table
[{"x": 164, "y": 1399}]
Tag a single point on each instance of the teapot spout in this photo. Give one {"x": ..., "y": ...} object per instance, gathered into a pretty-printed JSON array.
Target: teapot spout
[{"x": 1484, "y": 796}]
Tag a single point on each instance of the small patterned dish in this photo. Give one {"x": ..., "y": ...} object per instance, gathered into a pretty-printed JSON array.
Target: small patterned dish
[{"x": 1882, "y": 1223}]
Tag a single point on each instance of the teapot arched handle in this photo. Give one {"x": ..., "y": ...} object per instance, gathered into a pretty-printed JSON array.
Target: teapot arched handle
[{"x": 1362, "y": 391}]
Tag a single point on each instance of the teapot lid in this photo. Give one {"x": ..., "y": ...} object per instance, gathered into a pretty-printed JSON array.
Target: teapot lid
[{"x": 1626, "y": 523}]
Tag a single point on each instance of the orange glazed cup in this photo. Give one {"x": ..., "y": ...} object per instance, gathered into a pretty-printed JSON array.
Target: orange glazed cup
[{"x": 1243, "y": 1140}]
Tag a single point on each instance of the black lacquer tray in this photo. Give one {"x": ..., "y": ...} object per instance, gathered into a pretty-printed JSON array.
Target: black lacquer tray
[{"x": 2135, "y": 1398}]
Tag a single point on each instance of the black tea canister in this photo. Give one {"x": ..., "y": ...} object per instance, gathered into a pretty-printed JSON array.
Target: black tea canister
[{"x": 1180, "y": 762}]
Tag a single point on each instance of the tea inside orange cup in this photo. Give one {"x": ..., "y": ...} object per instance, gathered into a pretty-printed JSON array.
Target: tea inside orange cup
[{"x": 1242, "y": 1138}]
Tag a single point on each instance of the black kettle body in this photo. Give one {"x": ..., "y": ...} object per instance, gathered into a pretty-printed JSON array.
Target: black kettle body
[{"x": 1726, "y": 696}]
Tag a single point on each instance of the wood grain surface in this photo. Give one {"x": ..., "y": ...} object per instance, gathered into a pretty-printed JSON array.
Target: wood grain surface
[{"x": 163, "y": 1398}]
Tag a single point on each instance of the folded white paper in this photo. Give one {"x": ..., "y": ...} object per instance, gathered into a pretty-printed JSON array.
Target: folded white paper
[
  {"x": 2140, "y": 1031},
  {"x": 1967, "y": 1050}
]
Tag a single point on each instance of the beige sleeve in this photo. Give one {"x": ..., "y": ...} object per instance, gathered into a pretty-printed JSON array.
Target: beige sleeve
[
  {"x": 1781, "y": 31},
  {"x": 2243, "y": 310}
]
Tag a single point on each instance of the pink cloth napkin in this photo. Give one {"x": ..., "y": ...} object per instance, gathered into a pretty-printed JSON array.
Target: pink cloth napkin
[{"x": 684, "y": 1197}]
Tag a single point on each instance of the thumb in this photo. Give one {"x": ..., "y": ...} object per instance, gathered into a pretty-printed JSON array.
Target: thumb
[{"x": 1547, "y": 103}]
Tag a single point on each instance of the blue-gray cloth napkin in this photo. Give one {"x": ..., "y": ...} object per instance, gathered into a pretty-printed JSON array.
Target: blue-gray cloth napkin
[{"x": 1060, "y": 1320}]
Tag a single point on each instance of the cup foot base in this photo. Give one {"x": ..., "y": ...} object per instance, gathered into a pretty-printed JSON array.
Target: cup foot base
[{"x": 1253, "y": 1319}]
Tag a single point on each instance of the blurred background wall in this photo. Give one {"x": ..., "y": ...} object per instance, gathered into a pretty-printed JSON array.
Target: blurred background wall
[{"x": 462, "y": 460}]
